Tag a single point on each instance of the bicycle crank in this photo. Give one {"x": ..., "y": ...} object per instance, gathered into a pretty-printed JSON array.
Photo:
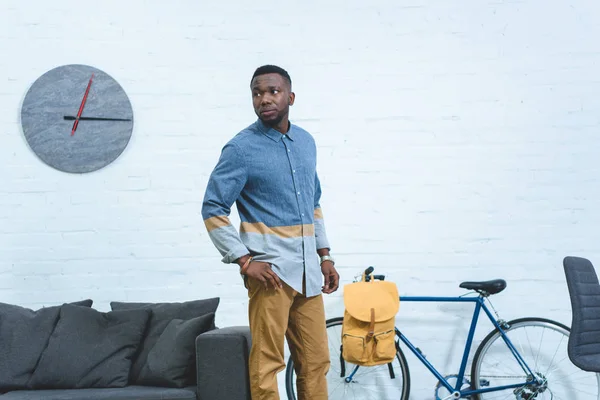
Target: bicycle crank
[{"x": 442, "y": 393}]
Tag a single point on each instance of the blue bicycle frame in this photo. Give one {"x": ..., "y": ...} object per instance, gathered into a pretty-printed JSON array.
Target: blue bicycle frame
[{"x": 479, "y": 305}]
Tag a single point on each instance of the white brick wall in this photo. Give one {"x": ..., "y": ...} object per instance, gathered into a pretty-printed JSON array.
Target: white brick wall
[{"x": 456, "y": 142}]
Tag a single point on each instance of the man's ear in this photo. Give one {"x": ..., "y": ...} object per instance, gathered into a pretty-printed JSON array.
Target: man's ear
[{"x": 292, "y": 98}]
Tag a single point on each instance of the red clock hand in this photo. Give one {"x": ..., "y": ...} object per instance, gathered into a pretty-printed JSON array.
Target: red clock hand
[{"x": 87, "y": 90}]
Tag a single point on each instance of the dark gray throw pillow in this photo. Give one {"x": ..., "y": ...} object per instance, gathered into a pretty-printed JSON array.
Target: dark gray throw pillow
[
  {"x": 90, "y": 349},
  {"x": 172, "y": 360},
  {"x": 162, "y": 315},
  {"x": 24, "y": 334}
]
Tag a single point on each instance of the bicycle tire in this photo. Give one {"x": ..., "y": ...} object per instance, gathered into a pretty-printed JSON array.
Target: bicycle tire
[
  {"x": 337, "y": 322},
  {"x": 525, "y": 392}
]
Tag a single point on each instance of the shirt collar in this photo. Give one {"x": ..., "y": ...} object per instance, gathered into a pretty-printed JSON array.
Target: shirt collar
[{"x": 274, "y": 134}]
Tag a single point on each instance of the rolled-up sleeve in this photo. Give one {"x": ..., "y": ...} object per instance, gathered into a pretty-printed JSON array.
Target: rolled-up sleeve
[
  {"x": 224, "y": 186},
  {"x": 320, "y": 232}
]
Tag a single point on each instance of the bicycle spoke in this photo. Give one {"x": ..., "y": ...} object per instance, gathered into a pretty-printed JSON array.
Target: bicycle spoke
[{"x": 553, "y": 357}]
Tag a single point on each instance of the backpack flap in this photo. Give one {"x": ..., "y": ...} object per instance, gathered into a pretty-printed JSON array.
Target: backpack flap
[{"x": 362, "y": 297}]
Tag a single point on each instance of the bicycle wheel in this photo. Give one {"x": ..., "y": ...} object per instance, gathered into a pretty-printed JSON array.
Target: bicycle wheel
[
  {"x": 543, "y": 345},
  {"x": 381, "y": 382}
]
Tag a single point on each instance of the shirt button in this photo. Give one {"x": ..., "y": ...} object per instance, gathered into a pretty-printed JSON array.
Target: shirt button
[
  {"x": 298, "y": 192},
  {"x": 294, "y": 171},
  {"x": 302, "y": 214},
  {"x": 289, "y": 150}
]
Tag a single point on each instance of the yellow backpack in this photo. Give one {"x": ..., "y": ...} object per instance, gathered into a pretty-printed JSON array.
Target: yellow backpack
[{"x": 368, "y": 329}]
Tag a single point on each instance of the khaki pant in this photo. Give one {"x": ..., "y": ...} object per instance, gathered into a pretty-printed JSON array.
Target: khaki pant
[{"x": 275, "y": 314}]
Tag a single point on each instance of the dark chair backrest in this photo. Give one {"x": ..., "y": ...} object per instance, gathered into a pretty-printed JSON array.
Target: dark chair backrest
[{"x": 584, "y": 290}]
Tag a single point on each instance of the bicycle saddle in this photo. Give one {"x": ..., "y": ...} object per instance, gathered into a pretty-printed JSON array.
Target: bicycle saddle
[{"x": 489, "y": 287}]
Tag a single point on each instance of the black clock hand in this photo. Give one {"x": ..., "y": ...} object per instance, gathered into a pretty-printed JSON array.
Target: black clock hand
[{"x": 71, "y": 118}]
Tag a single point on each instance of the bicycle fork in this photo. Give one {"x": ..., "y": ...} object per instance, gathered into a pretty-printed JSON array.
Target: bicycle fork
[{"x": 348, "y": 378}]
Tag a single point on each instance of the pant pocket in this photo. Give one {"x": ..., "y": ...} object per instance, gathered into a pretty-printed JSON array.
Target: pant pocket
[
  {"x": 385, "y": 346},
  {"x": 354, "y": 349}
]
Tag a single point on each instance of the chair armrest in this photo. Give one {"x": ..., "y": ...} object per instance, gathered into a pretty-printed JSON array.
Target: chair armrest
[{"x": 222, "y": 364}]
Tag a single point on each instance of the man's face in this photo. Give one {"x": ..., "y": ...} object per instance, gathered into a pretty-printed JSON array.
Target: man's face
[{"x": 271, "y": 97}]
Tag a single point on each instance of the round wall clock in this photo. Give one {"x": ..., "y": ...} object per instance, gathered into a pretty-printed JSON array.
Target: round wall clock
[{"x": 77, "y": 118}]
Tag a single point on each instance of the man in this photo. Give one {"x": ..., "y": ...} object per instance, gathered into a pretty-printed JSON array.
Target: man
[{"x": 269, "y": 171}]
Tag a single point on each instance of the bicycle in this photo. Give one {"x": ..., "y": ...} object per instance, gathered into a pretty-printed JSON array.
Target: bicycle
[{"x": 530, "y": 376}]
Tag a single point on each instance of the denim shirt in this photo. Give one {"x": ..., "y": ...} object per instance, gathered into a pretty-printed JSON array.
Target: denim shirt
[{"x": 272, "y": 179}]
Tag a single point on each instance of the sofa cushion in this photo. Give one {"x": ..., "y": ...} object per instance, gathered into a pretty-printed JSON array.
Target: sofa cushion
[
  {"x": 24, "y": 334},
  {"x": 126, "y": 393},
  {"x": 172, "y": 360},
  {"x": 162, "y": 315},
  {"x": 90, "y": 349}
]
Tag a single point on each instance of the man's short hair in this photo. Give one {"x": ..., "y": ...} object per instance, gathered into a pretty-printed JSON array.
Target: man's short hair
[{"x": 271, "y": 69}]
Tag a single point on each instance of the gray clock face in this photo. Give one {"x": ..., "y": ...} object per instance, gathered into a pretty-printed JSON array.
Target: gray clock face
[{"x": 73, "y": 132}]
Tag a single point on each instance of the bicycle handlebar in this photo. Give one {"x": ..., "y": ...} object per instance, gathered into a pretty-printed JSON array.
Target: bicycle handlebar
[{"x": 368, "y": 273}]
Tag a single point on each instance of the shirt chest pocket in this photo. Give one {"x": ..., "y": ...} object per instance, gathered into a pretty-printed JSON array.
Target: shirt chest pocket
[{"x": 269, "y": 172}]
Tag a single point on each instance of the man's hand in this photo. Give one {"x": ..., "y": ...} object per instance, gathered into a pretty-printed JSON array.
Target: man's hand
[
  {"x": 332, "y": 278},
  {"x": 262, "y": 272}
]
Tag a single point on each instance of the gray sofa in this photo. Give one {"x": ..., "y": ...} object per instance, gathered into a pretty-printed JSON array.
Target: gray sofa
[{"x": 136, "y": 351}]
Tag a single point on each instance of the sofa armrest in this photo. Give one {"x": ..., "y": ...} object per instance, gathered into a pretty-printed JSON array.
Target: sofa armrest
[{"x": 222, "y": 364}]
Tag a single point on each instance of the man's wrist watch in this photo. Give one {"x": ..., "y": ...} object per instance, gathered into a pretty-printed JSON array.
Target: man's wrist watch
[{"x": 327, "y": 258}]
